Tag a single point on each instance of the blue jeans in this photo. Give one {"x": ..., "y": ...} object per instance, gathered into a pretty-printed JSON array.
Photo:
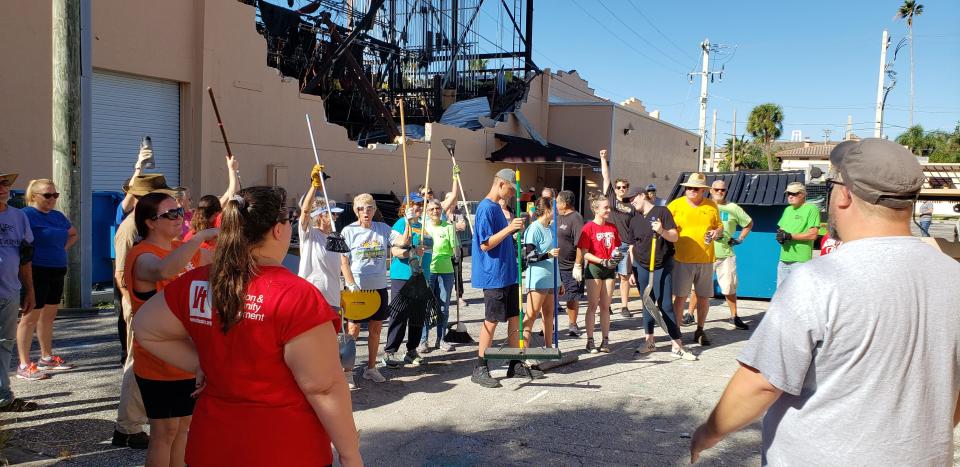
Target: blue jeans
[
  {"x": 441, "y": 284},
  {"x": 9, "y": 309},
  {"x": 925, "y": 227},
  {"x": 662, "y": 294},
  {"x": 783, "y": 270}
]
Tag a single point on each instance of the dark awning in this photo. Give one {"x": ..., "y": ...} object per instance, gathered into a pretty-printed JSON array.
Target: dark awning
[
  {"x": 527, "y": 151},
  {"x": 760, "y": 188}
]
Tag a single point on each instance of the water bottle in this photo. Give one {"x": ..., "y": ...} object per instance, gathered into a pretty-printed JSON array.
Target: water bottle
[
  {"x": 146, "y": 143},
  {"x": 708, "y": 237}
]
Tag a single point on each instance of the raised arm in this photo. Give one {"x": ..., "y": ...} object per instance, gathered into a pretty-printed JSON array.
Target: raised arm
[
  {"x": 128, "y": 201},
  {"x": 150, "y": 268},
  {"x": 448, "y": 204},
  {"x": 233, "y": 185},
  {"x": 605, "y": 171}
]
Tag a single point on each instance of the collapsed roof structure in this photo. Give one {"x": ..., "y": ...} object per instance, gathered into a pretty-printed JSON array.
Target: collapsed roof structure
[{"x": 364, "y": 56}]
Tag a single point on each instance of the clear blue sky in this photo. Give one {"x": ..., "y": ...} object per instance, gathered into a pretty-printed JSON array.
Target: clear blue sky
[{"x": 818, "y": 60}]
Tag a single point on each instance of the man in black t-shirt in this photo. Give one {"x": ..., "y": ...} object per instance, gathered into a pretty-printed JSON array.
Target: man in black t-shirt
[
  {"x": 655, "y": 223},
  {"x": 621, "y": 211},
  {"x": 569, "y": 225}
]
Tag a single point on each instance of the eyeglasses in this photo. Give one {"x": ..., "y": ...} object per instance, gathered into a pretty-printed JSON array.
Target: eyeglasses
[
  {"x": 830, "y": 183},
  {"x": 50, "y": 195},
  {"x": 172, "y": 214},
  {"x": 622, "y": 187},
  {"x": 427, "y": 193},
  {"x": 286, "y": 214},
  {"x": 719, "y": 190},
  {"x": 800, "y": 192}
]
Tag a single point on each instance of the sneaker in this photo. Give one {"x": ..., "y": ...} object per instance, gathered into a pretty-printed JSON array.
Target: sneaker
[
  {"x": 573, "y": 331},
  {"x": 687, "y": 319},
  {"x": 20, "y": 405},
  {"x": 481, "y": 376},
  {"x": 374, "y": 375},
  {"x": 350, "y": 381},
  {"x": 53, "y": 362},
  {"x": 604, "y": 345},
  {"x": 389, "y": 360},
  {"x": 447, "y": 347},
  {"x": 591, "y": 347},
  {"x": 423, "y": 349},
  {"x": 136, "y": 441},
  {"x": 647, "y": 347},
  {"x": 413, "y": 359},
  {"x": 738, "y": 323},
  {"x": 700, "y": 337},
  {"x": 625, "y": 312},
  {"x": 519, "y": 370},
  {"x": 683, "y": 354},
  {"x": 31, "y": 372}
]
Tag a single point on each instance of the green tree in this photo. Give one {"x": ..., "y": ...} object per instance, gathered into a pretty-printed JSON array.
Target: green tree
[
  {"x": 750, "y": 155},
  {"x": 946, "y": 148},
  {"x": 908, "y": 10},
  {"x": 915, "y": 139},
  {"x": 766, "y": 124}
]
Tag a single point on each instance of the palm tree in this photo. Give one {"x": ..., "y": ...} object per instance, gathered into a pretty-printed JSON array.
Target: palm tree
[
  {"x": 914, "y": 138},
  {"x": 908, "y": 10},
  {"x": 766, "y": 124}
]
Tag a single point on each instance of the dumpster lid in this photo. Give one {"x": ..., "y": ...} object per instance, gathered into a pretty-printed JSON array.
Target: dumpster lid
[{"x": 749, "y": 187}]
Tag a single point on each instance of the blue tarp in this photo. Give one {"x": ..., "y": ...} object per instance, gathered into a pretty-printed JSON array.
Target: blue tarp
[{"x": 466, "y": 114}]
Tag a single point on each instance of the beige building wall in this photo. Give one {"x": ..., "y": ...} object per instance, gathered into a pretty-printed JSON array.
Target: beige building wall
[{"x": 654, "y": 152}]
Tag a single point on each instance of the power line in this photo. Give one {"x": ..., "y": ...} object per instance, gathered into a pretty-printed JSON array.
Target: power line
[
  {"x": 629, "y": 45},
  {"x": 655, "y": 28},
  {"x": 634, "y": 31}
]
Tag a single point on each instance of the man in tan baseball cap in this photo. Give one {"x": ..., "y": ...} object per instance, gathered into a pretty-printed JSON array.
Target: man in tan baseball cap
[{"x": 797, "y": 229}]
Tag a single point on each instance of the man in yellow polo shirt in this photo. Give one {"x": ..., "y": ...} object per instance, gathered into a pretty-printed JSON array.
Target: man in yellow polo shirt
[{"x": 698, "y": 222}]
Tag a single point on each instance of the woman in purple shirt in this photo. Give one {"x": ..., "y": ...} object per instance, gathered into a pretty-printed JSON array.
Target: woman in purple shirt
[{"x": 53, "y": 235}]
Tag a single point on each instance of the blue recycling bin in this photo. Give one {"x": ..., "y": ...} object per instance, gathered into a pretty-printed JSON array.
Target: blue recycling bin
[
  {"x": 761, "y": 195},
  {"x": 103, "y": 228}
]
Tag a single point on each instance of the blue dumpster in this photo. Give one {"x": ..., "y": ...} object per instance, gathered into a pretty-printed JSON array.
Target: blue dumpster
[
  {"x": 103, "y": 227},
  {"x": 760, "y": 194}
]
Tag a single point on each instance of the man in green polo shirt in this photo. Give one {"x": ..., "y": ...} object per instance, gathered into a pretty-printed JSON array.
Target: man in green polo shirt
[{"x": 798, "y": 228}]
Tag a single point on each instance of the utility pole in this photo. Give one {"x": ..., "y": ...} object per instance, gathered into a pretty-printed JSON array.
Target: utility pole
[
  {"x": 733, "y": 149},
  {"x": 713, "y": 143},
  {"x": 705, "y": 73},
  {"x": 826, "y": 135},
  {"x": 66, "y": 130},
  {"x": 847, "y": 134},
  {"x": 884, "y": 43}
]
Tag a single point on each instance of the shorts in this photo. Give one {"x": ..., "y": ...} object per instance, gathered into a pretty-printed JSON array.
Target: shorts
[
  {"x": 698, "y": 275},
  {"x": 572, "y": 290},
  {"x": 167, "y": 399},
  {"x": 624, "y": 268},
  {"x": 383, "y": 311},
  {"x": 499, "y": 305},
  {"x": 595, "y": 271},
  {"x": 48, "y": 285},
  {"x": 726, "y": 269}
]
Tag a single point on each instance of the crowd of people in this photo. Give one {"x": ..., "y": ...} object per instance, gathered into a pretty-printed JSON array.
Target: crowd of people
[{"x": 201, "y": 286}]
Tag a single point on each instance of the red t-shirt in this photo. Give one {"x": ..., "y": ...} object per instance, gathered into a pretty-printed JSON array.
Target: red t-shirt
[
  {"x": 252, "y": 411},
  {"x": 599, "y": 240}
]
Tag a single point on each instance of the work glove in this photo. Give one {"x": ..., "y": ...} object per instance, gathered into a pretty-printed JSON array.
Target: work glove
[
  {"x": 410, "y": 214},
  {"x": 353, "y": 287},
  {"x": 616, "y": 257},
  {"x": 142, "y": 156},
  {"x": 734, "y": 241},
  {"x": 609, "y": 263},
  {"x": 316, "y": 176},
  {"x": 456, "y": 171},
  {"x": 783, "y": 236},
  {"x": 578, "y": 273}
]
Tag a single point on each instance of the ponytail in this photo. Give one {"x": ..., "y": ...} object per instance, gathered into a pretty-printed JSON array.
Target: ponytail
[{"x": 247, "y": 217}]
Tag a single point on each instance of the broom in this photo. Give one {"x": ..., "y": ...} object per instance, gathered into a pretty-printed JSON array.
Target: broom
[
  {"x": 223, "y": 133},
  {"x": 335, "y": 241},
  {"x": 457, "y": 332}
]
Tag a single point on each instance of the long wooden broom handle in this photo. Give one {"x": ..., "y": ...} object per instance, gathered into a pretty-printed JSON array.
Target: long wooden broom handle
[
  {"x": 403, "y": 144},
  {"x": 216, "y": 110},
  {"x": 323, "y": 185}
]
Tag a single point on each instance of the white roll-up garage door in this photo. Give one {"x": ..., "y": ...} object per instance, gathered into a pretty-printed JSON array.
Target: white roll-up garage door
[{"x": 126, "y": 108}]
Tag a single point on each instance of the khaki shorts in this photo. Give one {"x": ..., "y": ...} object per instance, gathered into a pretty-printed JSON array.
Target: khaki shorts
[
  {"x": 726, "y": 269},
  {"x": 697, "y": 275}
]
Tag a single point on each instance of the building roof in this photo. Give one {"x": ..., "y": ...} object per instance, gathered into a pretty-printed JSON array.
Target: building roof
[
  {"x": 527, "y": 151},
  {"x": 813, "y": 151},
  {"x": 750, "y": 188}
]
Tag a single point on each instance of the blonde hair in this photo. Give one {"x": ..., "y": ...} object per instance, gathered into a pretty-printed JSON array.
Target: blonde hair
[
  {"x": 33, "y": 188},
  {"x": 595, "y": 200},
  {"x": 364, "y": 199}
]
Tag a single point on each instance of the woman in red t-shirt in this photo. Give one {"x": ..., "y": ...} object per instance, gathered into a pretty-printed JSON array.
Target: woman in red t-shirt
[
  {"x": 167, "y": 391},
  {"x": 266, "y": 341},
  {"x": 599, "y": 241}
]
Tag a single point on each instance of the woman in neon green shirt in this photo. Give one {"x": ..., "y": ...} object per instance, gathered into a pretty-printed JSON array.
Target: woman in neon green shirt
[{"x": 445, "y": 242}]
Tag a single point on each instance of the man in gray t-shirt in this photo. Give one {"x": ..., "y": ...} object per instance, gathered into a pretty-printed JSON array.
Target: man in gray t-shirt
[{"x": 857, "y": 361}]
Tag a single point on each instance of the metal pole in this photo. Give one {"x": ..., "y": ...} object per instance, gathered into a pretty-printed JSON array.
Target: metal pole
[
  {"x": 733, "y": 150},
  {"x": 713, "y": 143},
  {"x": 563, "y": 172},
  {"x": 705, "y": 45},
  {"x": 66, "y": 130},
  {"x": 878, "y": 127}
]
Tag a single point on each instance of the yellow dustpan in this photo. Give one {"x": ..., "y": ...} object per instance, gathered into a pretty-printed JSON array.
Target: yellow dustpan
[{"x": 359, "y": 305}]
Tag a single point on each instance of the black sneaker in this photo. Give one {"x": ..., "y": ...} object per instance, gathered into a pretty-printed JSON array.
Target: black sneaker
[
  {"x": 739, "y": 324},
  {"x": 519, "y": 370},
  {"x": 700, "y": 337},
  {"x": 626, "y": 313},
  {"x": 573, "y": 331},
  {"x": 687, "y": 319},
  {"x": 136, "y": 441},
  {"x": 481, "y": 376}
]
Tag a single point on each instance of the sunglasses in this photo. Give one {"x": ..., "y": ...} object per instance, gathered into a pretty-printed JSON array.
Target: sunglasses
[
  {"x": 427, "y": 193},
  {"x": 285, "y": 215},
  {"x": 172, "y": 214},
  {"x": 719, "y": 190},
  {"x": 693, "y": 188},
  {"x": 49, "y": 195},
  {"x": 622, "y": 187}
]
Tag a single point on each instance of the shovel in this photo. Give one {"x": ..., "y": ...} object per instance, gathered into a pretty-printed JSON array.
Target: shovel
[
  {"x": 348, "y": 347},
  {"x": 648, "y": 301}
]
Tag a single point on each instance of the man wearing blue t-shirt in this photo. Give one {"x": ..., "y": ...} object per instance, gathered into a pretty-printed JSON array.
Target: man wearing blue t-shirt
[{"x": 494, "y": 261}]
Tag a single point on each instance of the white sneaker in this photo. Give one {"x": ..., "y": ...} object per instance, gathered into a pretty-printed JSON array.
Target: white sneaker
[
  {"x": 350, "y": 382},
  {"x": 374, "y": 375},
  {"x": 684, "y": 354}
]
